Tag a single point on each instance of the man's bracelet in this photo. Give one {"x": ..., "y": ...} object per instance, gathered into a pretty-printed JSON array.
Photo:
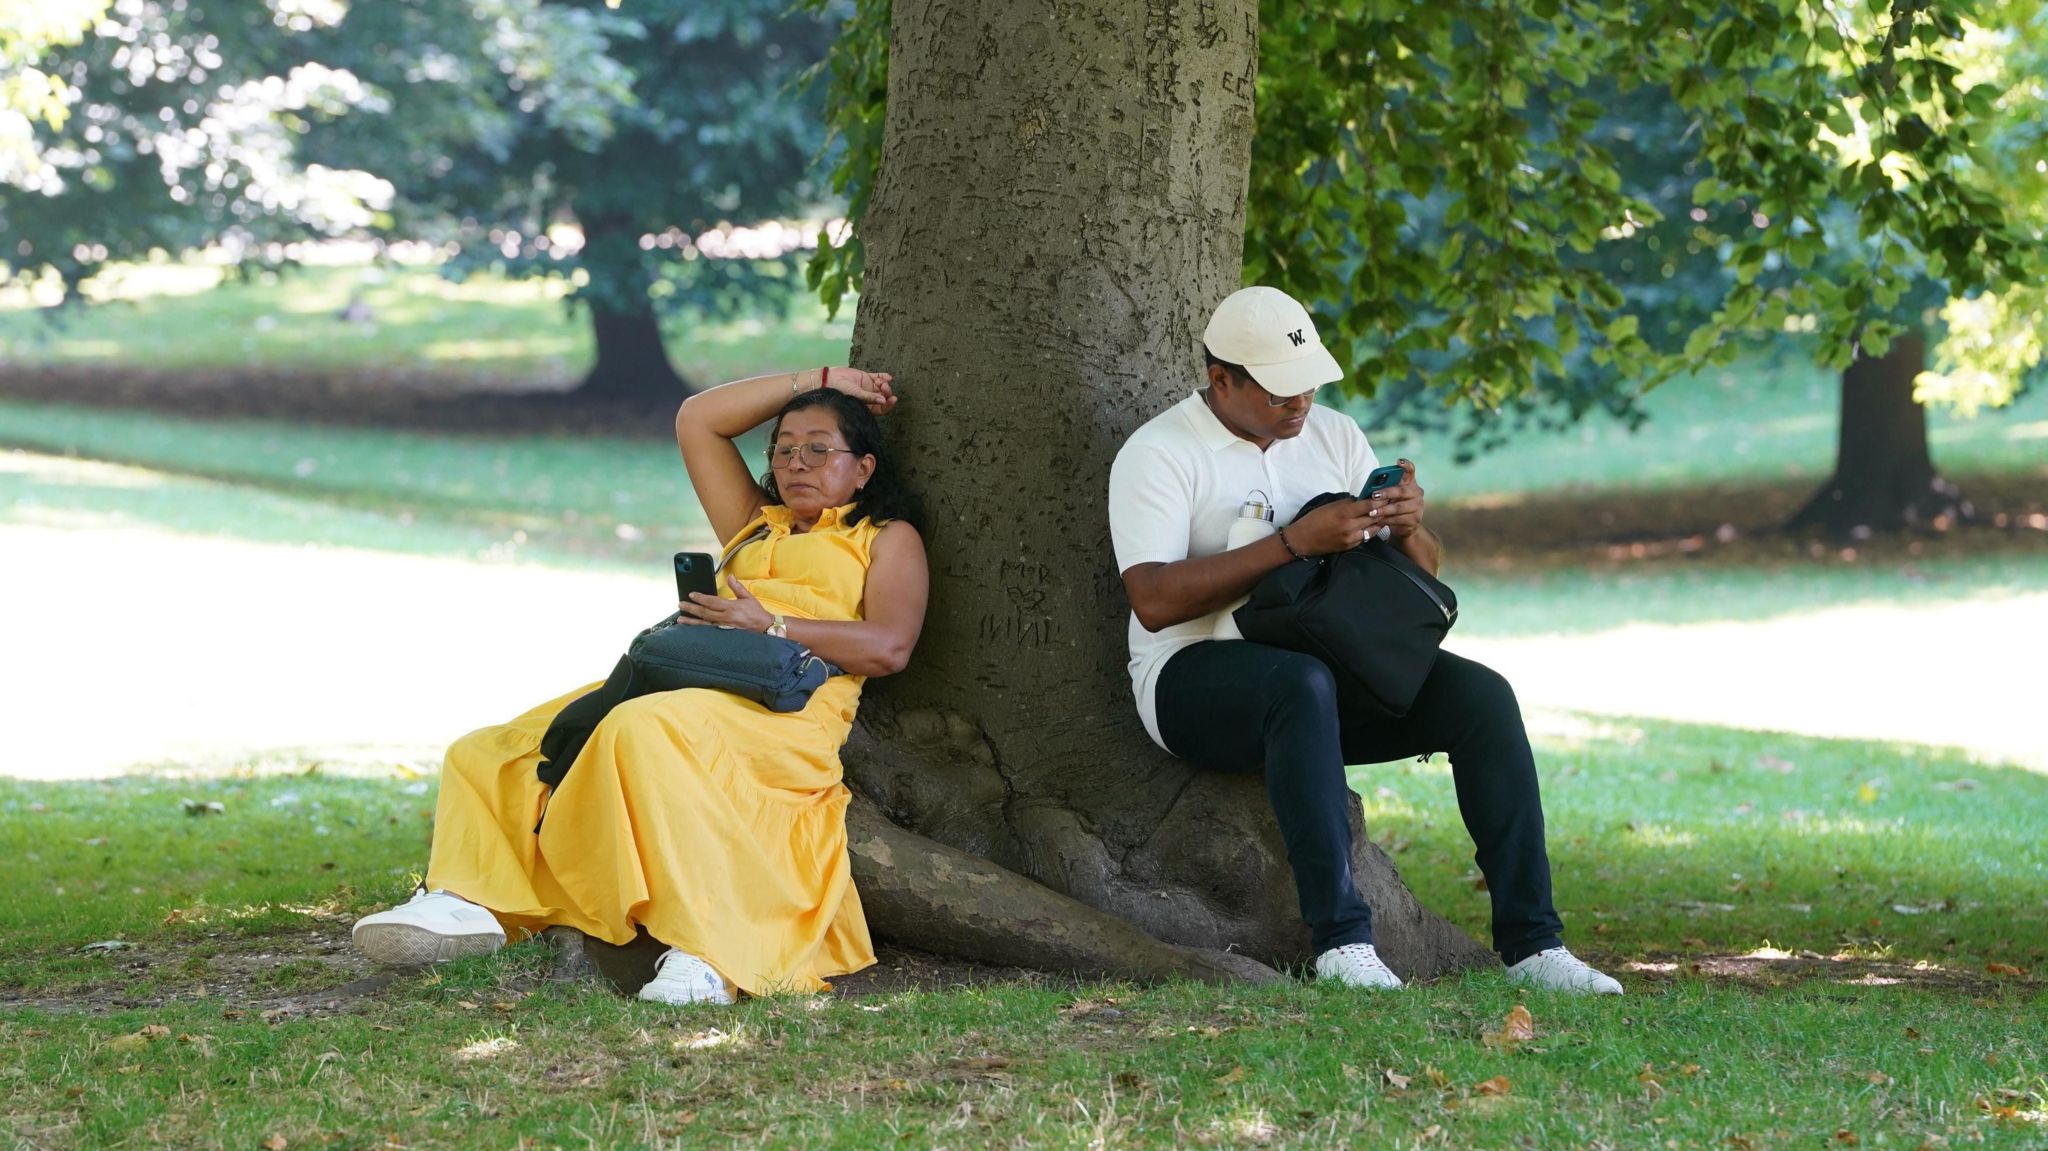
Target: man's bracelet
[{"x": 1289, "y": 546}]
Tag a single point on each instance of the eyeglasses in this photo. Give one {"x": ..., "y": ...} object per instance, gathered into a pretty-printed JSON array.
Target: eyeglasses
[
  {"x": 1273, "y": 401},
  {"x": 814, "y": 455}
]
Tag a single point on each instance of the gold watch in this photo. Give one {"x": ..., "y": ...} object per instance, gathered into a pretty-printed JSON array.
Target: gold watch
[{"x": 780, "y": 628}]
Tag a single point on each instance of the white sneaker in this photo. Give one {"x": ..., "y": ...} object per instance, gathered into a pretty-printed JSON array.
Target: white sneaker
[
  {"x": 680, "y": 978},
  {"x": 432, "y": 927},
  {"x": 1560, "y": 970},
  {"x": 1356, "y": 965}
]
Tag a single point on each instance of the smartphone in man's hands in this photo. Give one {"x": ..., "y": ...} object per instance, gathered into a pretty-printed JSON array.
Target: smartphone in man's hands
[
  {"x": 1382, "y": 477},
  {"x": 695, "y": 571}
]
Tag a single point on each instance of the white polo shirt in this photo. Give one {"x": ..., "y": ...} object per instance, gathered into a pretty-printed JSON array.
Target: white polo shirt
[{"x": 1180, "y": 480}]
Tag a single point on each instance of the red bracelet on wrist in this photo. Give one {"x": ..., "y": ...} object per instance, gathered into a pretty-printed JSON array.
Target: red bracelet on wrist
[{"x": 824, "y": 377}]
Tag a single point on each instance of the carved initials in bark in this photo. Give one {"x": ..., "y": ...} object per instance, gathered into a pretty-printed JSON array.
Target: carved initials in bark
[{"x": 1060, "y": 204}]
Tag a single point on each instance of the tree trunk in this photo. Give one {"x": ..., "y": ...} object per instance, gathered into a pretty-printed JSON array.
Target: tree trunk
[
  {"x": 632, "y": 364},
  {"x": 1060, "y": 204},
  {"x": 1884, "y": 477}
]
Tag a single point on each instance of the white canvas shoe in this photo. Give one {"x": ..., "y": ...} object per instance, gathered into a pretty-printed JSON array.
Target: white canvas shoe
[
  {"x": 432, "y": 927},
  {"x": 1560, "y": 970},
  {"x": 1356, "y": 965},
  {"x": 680, "y": 978}
]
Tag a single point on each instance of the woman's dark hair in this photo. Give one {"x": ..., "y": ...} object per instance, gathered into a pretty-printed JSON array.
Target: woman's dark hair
[{"x": 884, "y": 497}]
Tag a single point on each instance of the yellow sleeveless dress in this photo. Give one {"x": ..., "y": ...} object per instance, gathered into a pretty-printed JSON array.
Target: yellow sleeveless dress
[{"x": 718, "y": 825}]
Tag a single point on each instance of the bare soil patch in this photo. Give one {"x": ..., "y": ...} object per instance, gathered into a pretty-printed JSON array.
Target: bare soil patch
[{"x": 314, "y": 972}]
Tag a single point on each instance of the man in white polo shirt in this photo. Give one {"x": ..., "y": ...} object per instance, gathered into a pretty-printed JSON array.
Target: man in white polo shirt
[{"x": 1231, "y": 705}]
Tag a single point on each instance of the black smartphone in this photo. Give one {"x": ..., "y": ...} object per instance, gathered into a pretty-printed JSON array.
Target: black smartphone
[
  {"x": 695, "y": 571},
  {"x": 1384, "y": 476}
]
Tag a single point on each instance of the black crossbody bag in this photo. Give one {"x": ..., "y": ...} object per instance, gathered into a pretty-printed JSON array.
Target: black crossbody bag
[
  {"x": 1371, "y": 614},
  {"x": 779, "y": 674}
]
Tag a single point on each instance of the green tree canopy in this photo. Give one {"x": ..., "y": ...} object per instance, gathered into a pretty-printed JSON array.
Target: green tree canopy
[{"x": 1561, "y": 203}]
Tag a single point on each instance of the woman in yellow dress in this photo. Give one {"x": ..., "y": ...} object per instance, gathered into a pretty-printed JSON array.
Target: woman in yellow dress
[{"x": 717, "y": 825}]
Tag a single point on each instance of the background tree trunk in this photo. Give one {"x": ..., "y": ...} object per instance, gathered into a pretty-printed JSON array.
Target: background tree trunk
[
  {"x": 1060, "y": 204},
  {"x": 1884, "y": 476},
  {"x": 632, "y": 364}
]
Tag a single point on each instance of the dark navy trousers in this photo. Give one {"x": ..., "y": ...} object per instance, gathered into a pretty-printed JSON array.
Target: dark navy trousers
[{"x": 1236, "y": 706}]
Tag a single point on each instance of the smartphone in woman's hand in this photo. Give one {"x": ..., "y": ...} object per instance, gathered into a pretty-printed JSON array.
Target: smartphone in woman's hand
[{"x": 695, "y": 571}]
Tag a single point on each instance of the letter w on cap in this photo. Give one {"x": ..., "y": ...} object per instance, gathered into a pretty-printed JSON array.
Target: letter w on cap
[{"x": 1297, "y": 337}]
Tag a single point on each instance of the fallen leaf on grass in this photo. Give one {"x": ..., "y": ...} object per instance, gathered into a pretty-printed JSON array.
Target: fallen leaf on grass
[
  {"x": 1847, "y": 1137},
  {"x": 1101, "y": 1010},
  {"x": 1234, "y": 1075},
  {"x": 1688, "y": 1069},
  {"x": 154, "y": 1031},
  {"x": 1516, "y": 1028},
  {"x": 275, "y": 1143},
  {"x": 2004, "y": 969},
  {"x": 1652, "y": 1085},
  {"x": 1498, "y": 1085},
  {"x": 110, "y": 945},
  {"x": 466, "y": 1004},
  {"x": 1877, "y": 1078},
  {"x": 1395, "y": 1079},
  {"x": 195, "y": 808},
  {"x": 1205, "y": 1032},
  {"x": 1430, "y": 1132},
  {"x": 981, "y": 1063},
  {"x": 1437, "y": 1079}
]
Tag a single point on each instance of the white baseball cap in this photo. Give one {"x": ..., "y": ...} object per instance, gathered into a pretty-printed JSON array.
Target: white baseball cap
[{"x": 1271, "y": 336}]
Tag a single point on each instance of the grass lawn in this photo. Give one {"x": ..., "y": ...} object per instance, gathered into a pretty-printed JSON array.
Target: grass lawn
[
  {"x": 182, "y": 317},
  {"x": 1812, "y": 961}
]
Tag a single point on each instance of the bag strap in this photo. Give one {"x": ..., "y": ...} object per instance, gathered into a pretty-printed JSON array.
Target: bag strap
[
  {"x": 1415, "y": 576},
  {"x": 759, "y": 533}
]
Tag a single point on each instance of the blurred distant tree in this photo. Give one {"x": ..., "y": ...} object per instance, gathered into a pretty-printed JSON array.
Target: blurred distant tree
[
  {"x": 541, "y": 137},
  {"x": 28, "y": 94},
  {"x": 639, "y": 127},
  {"x": 166, "y": 127}
]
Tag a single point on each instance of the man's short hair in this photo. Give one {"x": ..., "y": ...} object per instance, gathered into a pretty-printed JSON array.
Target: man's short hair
[{"x": 1236, "y": 371}]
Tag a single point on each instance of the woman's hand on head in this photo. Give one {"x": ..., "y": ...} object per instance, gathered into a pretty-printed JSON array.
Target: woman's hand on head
[
  {"x": 742, "y": 611},
  {"x": 873, "y": 389}
]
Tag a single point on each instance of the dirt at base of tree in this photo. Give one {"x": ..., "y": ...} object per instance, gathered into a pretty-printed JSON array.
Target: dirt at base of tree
[{"x": 248, "y": 976}]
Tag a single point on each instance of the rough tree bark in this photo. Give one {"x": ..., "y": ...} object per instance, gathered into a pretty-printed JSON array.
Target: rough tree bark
[
  {"x": 1884, "y": 476},
  {"x": 632, "y": 364},
  {"x": 1060, "y": 204}
]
